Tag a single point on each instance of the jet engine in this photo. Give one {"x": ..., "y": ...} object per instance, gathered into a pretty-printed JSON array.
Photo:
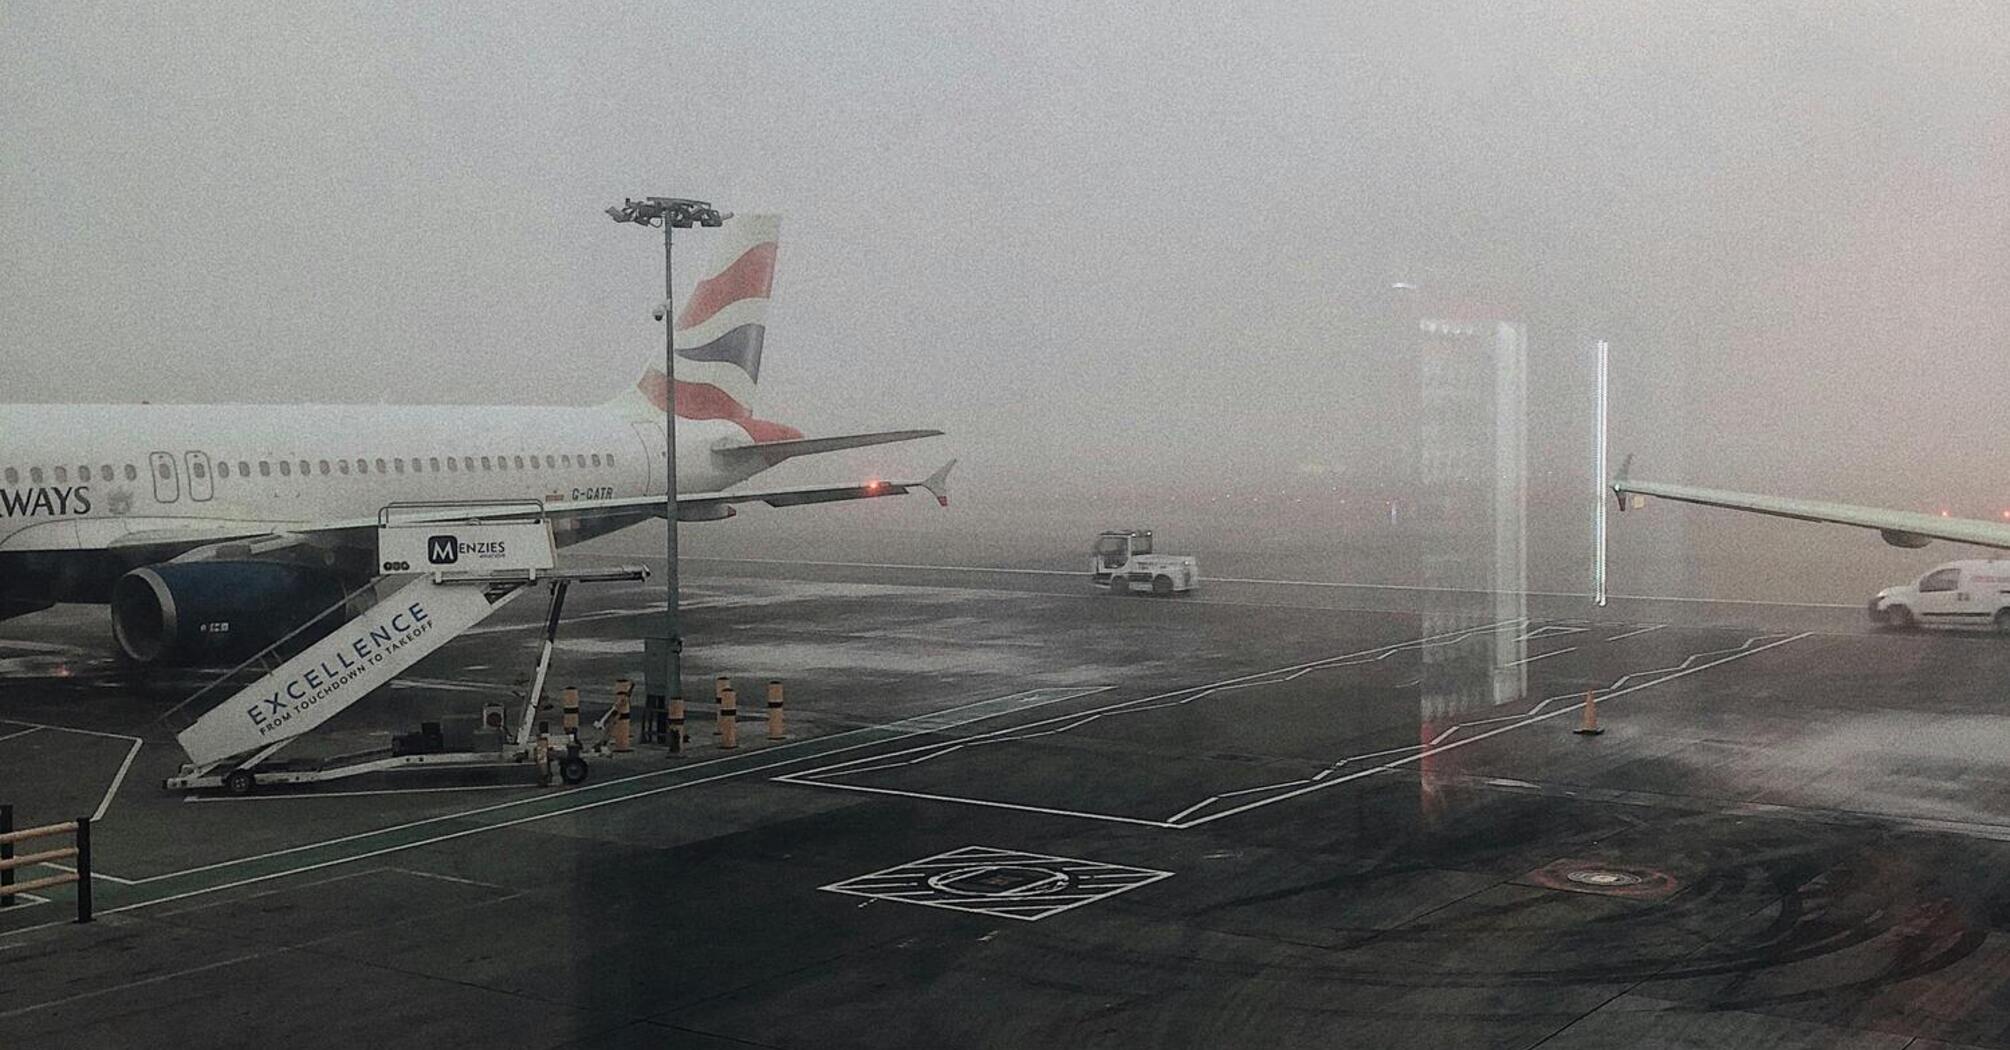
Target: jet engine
[
  {"x": 1910, "y": 540},
  {"x": 199, "y": 612}
]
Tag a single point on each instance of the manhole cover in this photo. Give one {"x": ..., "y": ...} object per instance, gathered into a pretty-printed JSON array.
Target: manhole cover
[{"x": 1603, "y": 878}]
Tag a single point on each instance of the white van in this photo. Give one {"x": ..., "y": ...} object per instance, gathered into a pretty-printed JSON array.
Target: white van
[{"x": 1973, "y": 593}]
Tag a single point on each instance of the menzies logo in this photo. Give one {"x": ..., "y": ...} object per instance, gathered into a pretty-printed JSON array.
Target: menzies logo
[
  {"x": 447, "y": 550},
  {"x": 45, "y": 501}
]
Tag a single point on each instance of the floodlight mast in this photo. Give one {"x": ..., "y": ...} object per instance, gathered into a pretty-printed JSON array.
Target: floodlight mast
[{"x": 672, "y": 214}]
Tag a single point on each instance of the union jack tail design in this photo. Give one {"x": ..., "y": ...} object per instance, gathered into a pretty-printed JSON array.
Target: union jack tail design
[{"x": 720, "y": 331}]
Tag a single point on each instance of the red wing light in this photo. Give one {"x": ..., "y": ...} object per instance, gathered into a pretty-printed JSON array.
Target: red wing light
[{"x": 875, "y": 486}]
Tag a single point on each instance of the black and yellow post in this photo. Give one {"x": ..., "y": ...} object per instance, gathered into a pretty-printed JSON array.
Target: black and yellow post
[
  {"x": 623, "y": 689},
  {"x": 83, "y": 869},
  {"x": 775, "y": 709},
  {"x": 655, "y": 716},
  {"x": 569, "y": 715},
  {"x": 676, "y": 731},
  {"x": 540, "y": 754},
  {"x": 720, "y": 684},
  {"x": 729, "y": 718},
  {"x": 6, "y": 854}
]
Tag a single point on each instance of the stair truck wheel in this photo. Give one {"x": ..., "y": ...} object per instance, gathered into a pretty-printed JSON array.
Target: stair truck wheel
[
  {"x": 2002, "y": 621},
  {"x": 1120, "y": 584},
  {"x": 572, "y": 769},
  {"x": 1162, "y": 585},
  {"x": 240, "y": 782}
]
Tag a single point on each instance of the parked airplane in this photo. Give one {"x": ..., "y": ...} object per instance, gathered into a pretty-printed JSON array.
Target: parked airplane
[{"x": 214, "y": 529}]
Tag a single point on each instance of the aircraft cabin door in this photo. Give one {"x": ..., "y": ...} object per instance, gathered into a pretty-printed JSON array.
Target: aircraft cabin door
[
  {"x": 200, "y": 486},
  {"x": 167, "y": 484},
  {"x": 651, "y": 437}
]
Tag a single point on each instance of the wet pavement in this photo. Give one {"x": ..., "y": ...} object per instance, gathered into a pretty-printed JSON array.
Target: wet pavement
[{"x": 1013, "y": 812}]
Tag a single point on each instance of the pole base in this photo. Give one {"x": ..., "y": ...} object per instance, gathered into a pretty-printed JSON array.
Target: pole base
[{"x": 1588, "y": 732}]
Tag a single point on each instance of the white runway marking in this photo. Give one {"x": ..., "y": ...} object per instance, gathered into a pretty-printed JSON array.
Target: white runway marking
[
  {"x": 309, "y": 796},
  {"x": 956, "y": 881},
  {"x": 126, "y": 767},
  {"x": 481, "y": 830},
  {"x": 906, "y": 728},
  {"x": 67, "y": 729},
  {"x": 191, "y": 971},
  {"x": 449, "y": 878},
  {"x": 308, "y": 885},
  {"x": 822, "y": 777},
  {"x": 1076, "y": 721},
  {"x": 1681, "y": 671},
  {"x": 98, "y": 875},
  {"x": 827, "y": 776},
  {"x": 118, "y": 779},
  {"x": 142, "y": 982},
  {"x": 1614, "y": 638},
  {"x": 436, "y": 684},
  {"x": 37, "y": 729},
  {"x": 1517, "y": 663}
]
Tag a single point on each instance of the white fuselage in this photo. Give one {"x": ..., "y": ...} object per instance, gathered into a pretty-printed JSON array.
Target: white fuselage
[{"x": 88, "y": 477}]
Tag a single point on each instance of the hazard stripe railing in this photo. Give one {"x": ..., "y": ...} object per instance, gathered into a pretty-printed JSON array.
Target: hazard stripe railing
[{"x": 79, "y": 852}]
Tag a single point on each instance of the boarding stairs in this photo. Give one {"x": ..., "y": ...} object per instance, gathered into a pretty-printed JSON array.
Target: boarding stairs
[{"x": 484, "y": 556}]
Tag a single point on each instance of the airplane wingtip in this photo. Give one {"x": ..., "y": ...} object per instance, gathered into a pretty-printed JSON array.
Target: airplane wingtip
[
  {"x": 938, "y": 484},
  {"x": 1619, "y": 481}
]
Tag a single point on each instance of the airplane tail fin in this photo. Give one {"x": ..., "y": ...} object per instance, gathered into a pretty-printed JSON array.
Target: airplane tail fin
[
  {"x": 938, "y": 483},
  {"x": 719, "y": 335}
]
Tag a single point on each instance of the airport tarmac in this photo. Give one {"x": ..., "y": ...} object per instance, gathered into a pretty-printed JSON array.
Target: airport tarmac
[{"x": 1015, "y": 812}]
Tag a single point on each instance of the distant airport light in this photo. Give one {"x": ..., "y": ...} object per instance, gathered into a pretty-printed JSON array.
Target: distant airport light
[{"x": 675, "y": 212}]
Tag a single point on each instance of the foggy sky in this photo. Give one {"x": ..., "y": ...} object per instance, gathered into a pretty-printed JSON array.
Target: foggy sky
[{"x": 1105, "y": 248}]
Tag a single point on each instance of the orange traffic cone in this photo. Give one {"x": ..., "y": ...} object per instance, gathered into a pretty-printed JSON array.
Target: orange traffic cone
[{"x": 1590, "y": 725}]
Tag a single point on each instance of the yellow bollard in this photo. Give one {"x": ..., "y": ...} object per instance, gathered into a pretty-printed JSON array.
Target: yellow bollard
[
  {"x": 677, "y": 740},
  {"x": 729, "y": 719},
  {"x": 1590, "y": 724},
  {"x": 540, "y": 754},
  {"x": 774, "y": 709},
  {"x": 568, "y": 722},
  {"x": 721, "y": 685},
  {"x": 622, "y": 689}
]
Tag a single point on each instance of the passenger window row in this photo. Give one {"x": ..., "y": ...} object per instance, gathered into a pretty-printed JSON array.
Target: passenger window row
[
  {"x": 286, "y": 468},
  {"x": 61, "y": 475}
]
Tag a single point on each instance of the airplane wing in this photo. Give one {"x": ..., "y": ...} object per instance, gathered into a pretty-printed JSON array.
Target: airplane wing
[
  {"x": 704, "y": 505},
  {"x": 697, "y": 506},
  {"x": 769, "y": 453},
  {"x": 1897, "y": 527},
  {"x": 188, "y": 540}
]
